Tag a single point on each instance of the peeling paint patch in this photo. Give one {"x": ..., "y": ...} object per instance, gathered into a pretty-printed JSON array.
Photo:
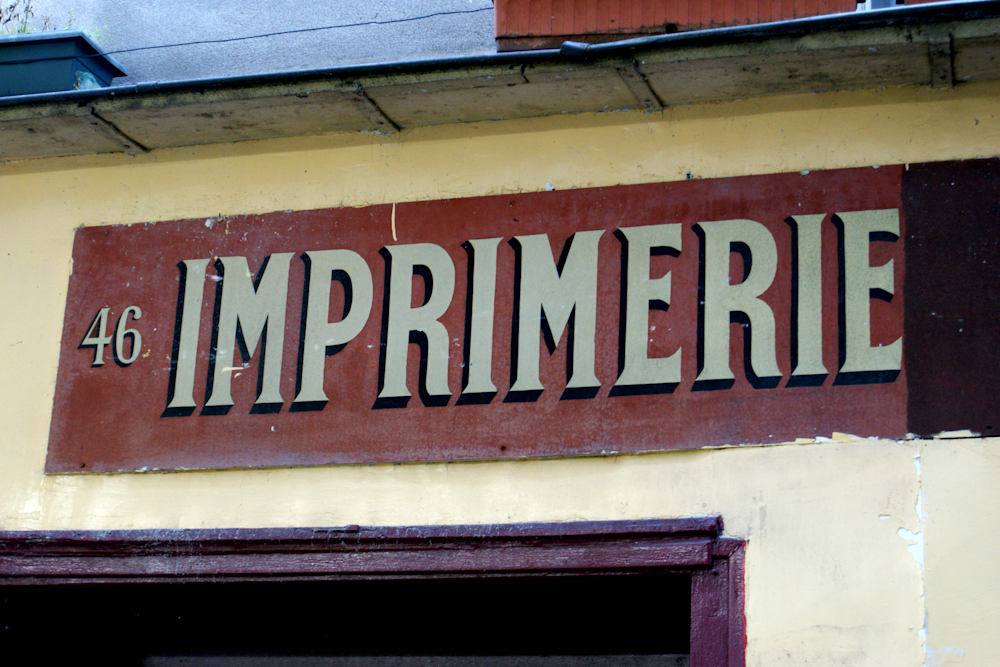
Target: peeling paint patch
[
  {"x": 917, "y": 548},
  {"x": 950, "y": 435},
  {"x": 939, "y": 656}
]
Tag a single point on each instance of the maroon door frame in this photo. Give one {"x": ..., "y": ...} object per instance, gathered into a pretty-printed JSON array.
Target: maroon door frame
[{"x": 683, "y": 546}]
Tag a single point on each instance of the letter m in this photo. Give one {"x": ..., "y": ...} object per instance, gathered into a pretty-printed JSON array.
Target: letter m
[{"x": 249, "y": 312}]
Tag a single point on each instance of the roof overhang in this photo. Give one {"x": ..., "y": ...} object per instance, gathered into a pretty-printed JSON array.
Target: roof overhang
[{"x": 939, "y": 45}]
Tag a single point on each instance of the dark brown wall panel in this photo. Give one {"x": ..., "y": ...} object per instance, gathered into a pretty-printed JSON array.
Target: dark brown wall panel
[{"x": 953, "y": 296}]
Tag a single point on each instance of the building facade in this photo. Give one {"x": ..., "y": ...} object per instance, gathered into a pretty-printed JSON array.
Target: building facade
[{"x": 861, "y": 512}]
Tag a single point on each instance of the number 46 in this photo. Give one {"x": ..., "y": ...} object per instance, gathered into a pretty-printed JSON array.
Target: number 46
[{"x": 101, "y": 339}]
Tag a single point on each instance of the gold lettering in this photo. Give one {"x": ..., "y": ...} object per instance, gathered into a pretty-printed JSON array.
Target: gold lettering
[
  {"x": 861, "y": 282},
  {"x": 182, "y": 379},
  {"x": 257, "y": 310},
  {"x": 722, "y": 299},
  {"x": 479, "y": 343},
  {"x": 321, "y": 334},
  {"x": 435, "y": 265},
  {"x": 562, "y": 294},
  {"x": 640, "y": 293},
  {"x": 807, "y": 343}
]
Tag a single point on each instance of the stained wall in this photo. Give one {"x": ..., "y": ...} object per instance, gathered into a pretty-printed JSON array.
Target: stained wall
[{"x": 860, "y": 551}]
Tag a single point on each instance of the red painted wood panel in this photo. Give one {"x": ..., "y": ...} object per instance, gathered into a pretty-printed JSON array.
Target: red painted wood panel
[
  {"x": 111, "y": 417},
  {"x": 679, "y": 13},
  {"x": 571, "y": 547},
  {"x": 576, "y": 18},
  {"x": 710, "y": 616}
]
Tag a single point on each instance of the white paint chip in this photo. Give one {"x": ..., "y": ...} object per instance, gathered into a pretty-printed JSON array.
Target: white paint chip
[
  {"x": 949, "y": 435},
  {"x": 939, "y": 656},
  {"x": 917, "y": 548}
]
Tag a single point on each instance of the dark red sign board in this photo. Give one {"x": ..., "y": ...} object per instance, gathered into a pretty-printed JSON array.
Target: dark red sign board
[{"x": 115, "y": 416}]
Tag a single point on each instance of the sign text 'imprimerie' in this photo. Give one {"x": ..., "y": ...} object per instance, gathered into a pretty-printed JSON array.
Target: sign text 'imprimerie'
[{"x": 617, "y": 319}]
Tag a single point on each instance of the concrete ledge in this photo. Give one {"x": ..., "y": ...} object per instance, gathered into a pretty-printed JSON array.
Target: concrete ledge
[{"x": 926, "y": 45}]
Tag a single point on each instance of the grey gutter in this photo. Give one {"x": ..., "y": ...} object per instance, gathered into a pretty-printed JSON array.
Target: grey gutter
[
  {"x": 958, "y": 10},
  {"x": 512, "y": 59},
  {"x": 894, "y": 17}
]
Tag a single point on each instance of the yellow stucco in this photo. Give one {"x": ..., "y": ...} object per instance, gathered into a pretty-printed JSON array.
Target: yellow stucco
[
  {"x": 961, "y": 515},
  {"x": 831, "y": 578}
]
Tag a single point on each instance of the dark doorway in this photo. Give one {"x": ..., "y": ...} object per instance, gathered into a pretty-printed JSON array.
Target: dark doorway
[
  {"x": 135, "y": 624},
  {"x": 646, "y": 593}
]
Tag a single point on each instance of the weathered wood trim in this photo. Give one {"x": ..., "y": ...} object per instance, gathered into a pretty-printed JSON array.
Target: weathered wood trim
[
  {"x": 637, "y": 83},
  {"x": 370, "y": 561},
  {"x": 689, "y": 545},
  {"x": 372, "y": 111},
  {"x": 355, "y": 552},
  {"x": 114, "y": 133},
  {"x": 940, "y": 45},
  {"x": 939, "y": 50}
]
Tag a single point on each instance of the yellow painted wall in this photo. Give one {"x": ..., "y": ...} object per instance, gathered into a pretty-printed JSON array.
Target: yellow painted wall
[
  {"x": 961, "y": 517},
  {"x": 836, "y": 552}
]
